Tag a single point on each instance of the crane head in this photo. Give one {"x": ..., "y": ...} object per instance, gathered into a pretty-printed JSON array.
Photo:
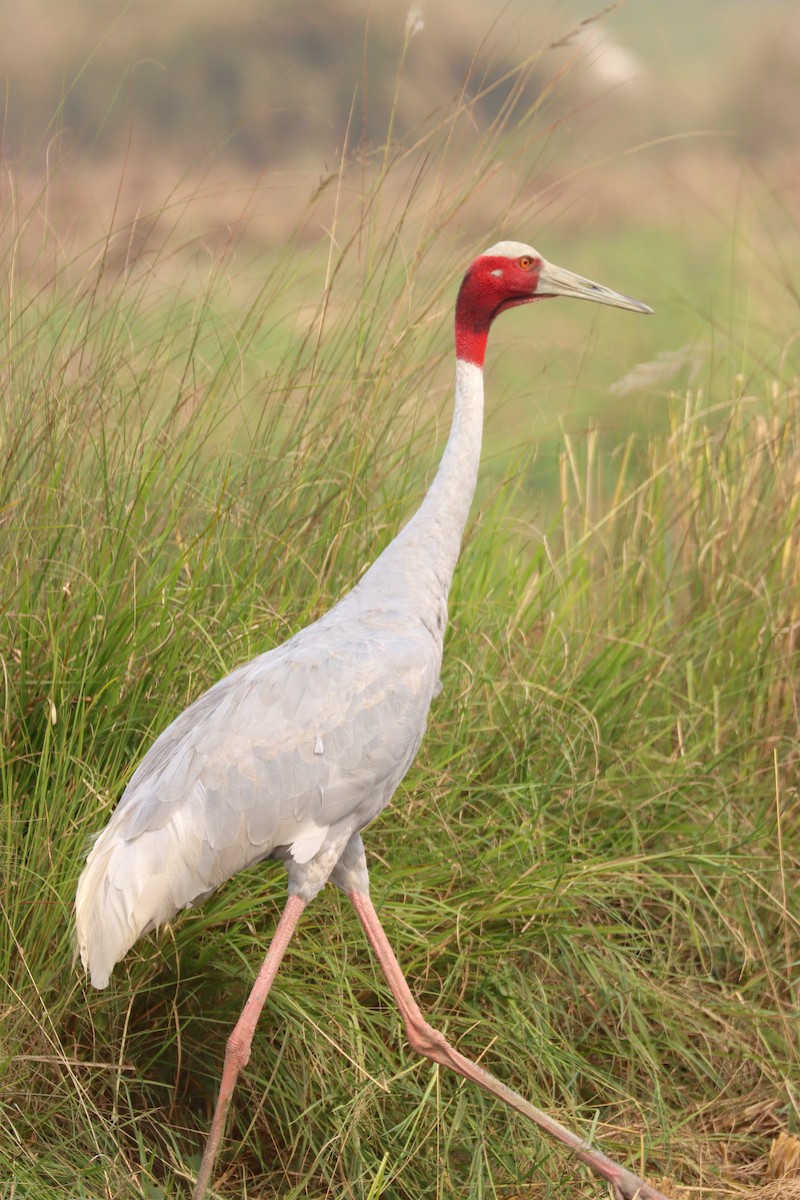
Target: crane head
[{"x": 509, "y": 274}]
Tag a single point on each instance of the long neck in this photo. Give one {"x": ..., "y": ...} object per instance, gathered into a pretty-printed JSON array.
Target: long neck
[
  {"x": 419, "y": 563},
  {"x": 438, "y": 525}
]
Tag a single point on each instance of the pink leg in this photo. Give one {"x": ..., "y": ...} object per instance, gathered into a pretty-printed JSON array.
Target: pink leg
[
  {"x": 237, "y": 1050},
  {"x": 428, "y": 1041}
]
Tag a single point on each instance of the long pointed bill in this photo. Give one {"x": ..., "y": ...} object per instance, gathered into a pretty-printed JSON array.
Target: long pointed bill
[{"x": 555, "y": 281}]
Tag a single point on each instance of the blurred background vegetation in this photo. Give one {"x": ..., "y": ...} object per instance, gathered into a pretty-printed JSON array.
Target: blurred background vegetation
[
  {"x": 264, "y": 87},
  {"x": 655, "y": 147}
]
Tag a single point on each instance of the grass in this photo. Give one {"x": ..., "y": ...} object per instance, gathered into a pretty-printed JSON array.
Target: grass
[{"x": 591, "y": 872}]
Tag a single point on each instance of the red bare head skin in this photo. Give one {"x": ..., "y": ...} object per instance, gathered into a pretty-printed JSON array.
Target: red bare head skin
[
  {"x": 495, "y": 281},
  {"x": 512, "y": 273}
]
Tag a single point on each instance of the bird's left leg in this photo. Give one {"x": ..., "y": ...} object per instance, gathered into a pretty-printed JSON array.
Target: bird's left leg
[
  {"x": 237, "y": 1050},
  {"x": 433, "y": 1044}
]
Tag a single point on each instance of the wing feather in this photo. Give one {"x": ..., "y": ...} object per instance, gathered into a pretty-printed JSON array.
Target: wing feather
[{"x": 294, "y": 747}]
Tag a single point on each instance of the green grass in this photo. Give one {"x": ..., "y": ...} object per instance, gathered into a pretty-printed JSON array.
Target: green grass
[{"x": 591, "y": 873}]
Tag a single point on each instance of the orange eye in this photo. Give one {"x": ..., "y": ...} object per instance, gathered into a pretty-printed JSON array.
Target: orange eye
[{"x": 526, "y": 262}]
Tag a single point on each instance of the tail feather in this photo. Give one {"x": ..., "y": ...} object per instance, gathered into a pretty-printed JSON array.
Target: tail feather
[
  {"x": 131, "y": 885},
  {"x": 128, "y": 888},
  {"x": 103, "y": 934}
]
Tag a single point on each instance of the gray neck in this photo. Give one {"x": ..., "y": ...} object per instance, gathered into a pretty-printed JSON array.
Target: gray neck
[{"x": 419, "y": 563}]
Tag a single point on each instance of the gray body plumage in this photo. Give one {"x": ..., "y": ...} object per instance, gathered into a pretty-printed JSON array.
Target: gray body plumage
[{"x": 293, "y": 753}]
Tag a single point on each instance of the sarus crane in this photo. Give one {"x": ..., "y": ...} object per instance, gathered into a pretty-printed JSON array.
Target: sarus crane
[{"x": 294, "y": 753}]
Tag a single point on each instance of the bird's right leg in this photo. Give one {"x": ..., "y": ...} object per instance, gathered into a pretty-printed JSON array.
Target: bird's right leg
[
  {"x": 433, "y": 1044},
  {"x": 237, "y": 1050}
]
